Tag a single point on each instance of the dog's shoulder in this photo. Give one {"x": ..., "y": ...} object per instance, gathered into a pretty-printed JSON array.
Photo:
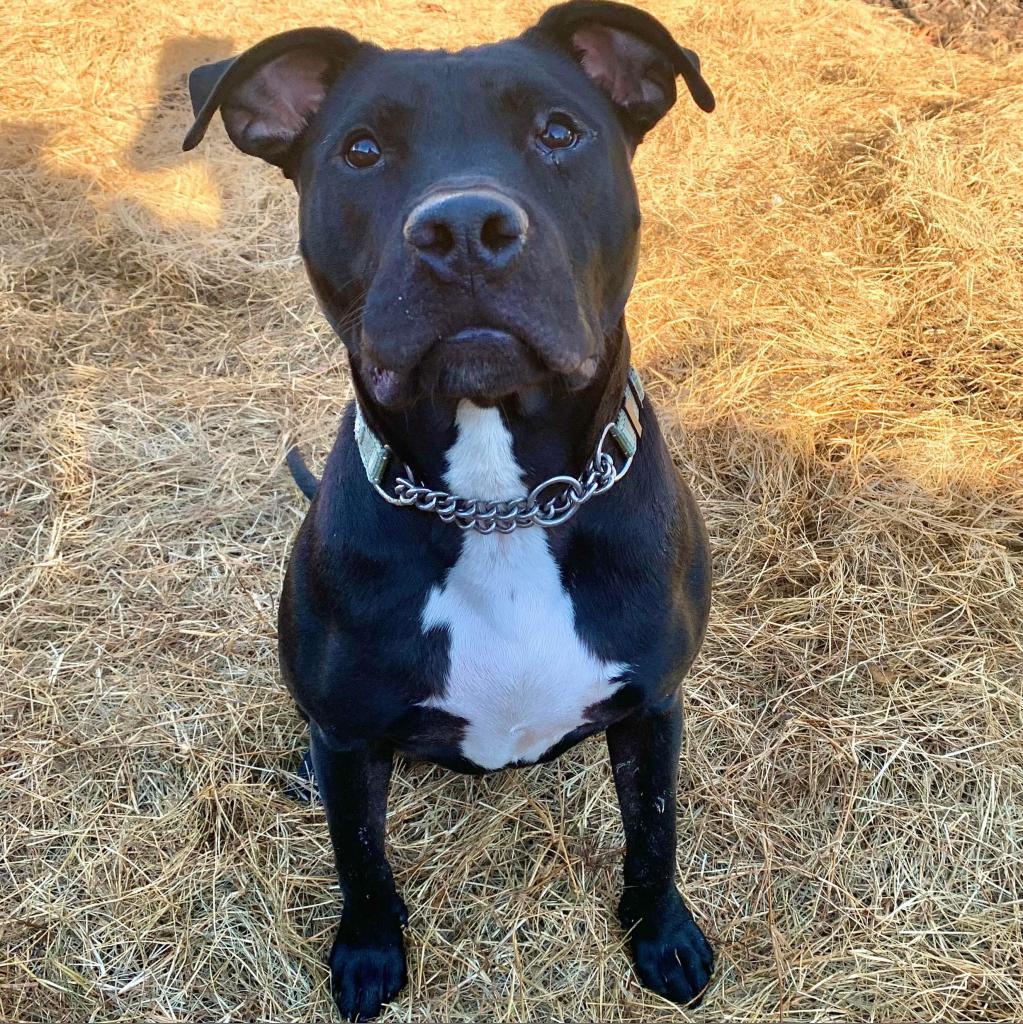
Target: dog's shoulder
[
  {"x": 352, "y": 648},
  {"x": 637, "y": 566}
]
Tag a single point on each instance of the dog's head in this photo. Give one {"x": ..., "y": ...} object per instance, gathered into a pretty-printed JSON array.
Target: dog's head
[{"x": 468, "y": 220}]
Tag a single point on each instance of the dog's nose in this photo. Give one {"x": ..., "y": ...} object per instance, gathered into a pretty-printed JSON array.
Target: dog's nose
[{"x": 459, "y": 232}]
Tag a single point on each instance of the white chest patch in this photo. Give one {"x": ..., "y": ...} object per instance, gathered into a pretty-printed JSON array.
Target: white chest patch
[{"x": 519, "y": 674}]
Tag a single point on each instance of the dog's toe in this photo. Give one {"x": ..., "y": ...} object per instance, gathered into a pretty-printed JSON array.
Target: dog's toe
[
  {"x": 366, "y": 971},
  {"x": 670, "y": 953}
]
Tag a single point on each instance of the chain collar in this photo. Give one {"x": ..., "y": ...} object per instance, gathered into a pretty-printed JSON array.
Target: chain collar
[{"x": 550, "y": 503}]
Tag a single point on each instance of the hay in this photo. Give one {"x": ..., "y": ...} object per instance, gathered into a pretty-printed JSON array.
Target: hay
[
  {"x": 992, "y": 27},
  {"x": 829, "y": 316}
]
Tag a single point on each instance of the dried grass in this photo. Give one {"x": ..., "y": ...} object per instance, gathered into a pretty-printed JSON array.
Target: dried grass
[
  {"x": 830, "y": 316},
  {"x": 992, "y": 27}
]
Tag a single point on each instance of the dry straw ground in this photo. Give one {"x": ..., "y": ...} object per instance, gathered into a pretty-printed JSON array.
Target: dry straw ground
[
  {"x": 988, "y": 26},
  {"x": 829, "y": 317}
]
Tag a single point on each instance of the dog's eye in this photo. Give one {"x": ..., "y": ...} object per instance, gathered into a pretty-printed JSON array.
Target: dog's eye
[
  {"x": 559, "y": 132},
  {"x": 362, "y": 152}
]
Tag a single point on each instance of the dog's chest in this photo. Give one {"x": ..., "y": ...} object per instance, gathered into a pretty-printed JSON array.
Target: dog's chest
[{"x": 518, "y": 673}]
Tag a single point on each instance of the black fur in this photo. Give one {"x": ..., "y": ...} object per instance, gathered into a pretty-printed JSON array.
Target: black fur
[
  {"x": 635, "y": 561},
  {"x": 300, "y": 473}
]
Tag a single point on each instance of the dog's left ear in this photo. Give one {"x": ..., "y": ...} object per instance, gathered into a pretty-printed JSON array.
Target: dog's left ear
[{"x": 629, "y": 55}]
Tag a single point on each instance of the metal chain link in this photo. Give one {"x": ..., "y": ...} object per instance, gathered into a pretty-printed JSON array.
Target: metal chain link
[{"x": 485, "y": 516}]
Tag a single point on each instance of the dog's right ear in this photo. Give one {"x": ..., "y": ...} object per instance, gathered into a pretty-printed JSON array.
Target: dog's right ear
[{"x": 268, "y": 95}]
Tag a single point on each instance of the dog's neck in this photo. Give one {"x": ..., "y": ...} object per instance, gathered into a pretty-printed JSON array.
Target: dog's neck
[{"x": 554, "y": 432}]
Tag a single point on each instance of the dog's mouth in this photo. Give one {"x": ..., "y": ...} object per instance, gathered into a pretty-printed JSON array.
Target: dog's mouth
[{"x": 481, "y": 362}]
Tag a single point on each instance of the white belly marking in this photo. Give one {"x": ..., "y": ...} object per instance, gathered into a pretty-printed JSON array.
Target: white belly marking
[{"x": 518, "y": 672}]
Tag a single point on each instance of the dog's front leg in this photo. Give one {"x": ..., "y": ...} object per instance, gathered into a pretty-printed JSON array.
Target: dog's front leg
[
  {"x": 367, "y": 962},
  {"x": 669, "y": 951}
]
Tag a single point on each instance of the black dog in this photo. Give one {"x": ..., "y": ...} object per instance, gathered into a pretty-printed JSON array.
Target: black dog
[{"x": 470, "y": 226}]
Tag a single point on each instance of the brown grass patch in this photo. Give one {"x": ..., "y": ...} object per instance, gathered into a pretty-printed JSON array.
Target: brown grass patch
[{"x": 830, "y": 317}]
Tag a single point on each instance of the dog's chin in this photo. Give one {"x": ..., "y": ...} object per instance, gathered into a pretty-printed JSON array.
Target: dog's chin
[{"x": 482, "y": 364}]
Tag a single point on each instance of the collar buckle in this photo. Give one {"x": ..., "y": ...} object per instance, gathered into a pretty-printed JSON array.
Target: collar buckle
[
  {"x": 375, "y": 455},
  {"x": 627, "y": 428}
]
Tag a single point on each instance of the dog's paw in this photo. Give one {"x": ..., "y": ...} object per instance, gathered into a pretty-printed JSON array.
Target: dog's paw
[
  {"x": 367, "y": 964},
  {"x": 670, "y": 954}
]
